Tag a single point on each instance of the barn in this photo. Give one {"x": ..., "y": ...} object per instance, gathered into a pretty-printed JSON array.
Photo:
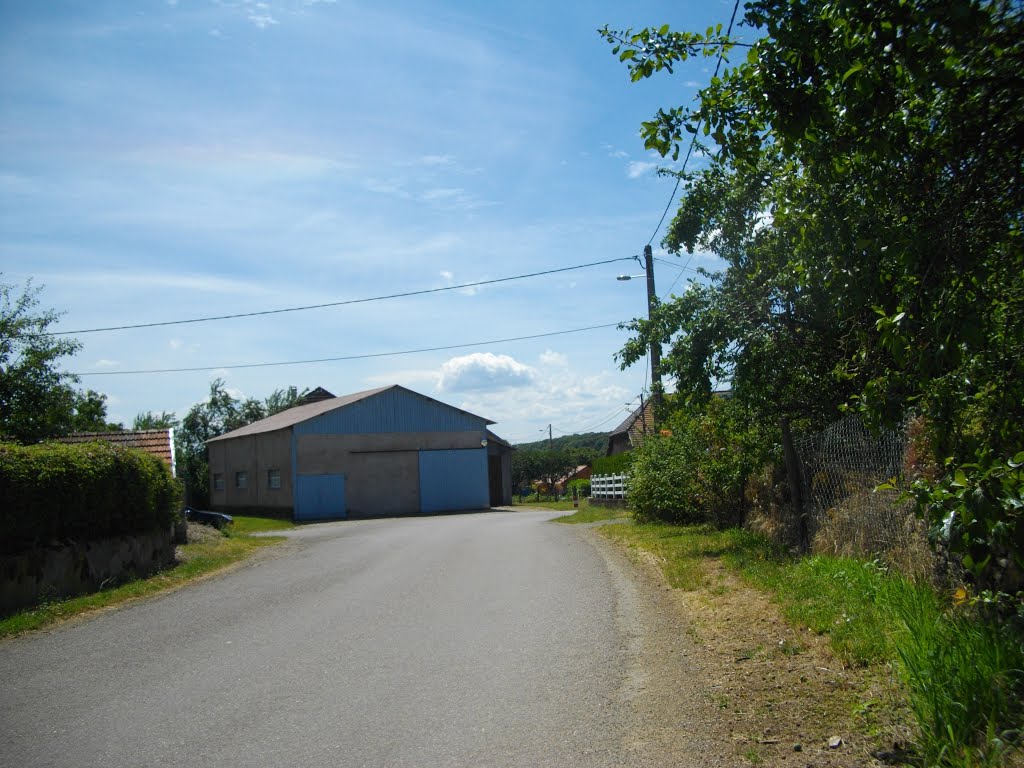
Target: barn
[{"x": 382, "y": 452}]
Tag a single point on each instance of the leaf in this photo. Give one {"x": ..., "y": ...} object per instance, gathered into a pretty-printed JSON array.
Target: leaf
[{"x": 853, "y": 70}]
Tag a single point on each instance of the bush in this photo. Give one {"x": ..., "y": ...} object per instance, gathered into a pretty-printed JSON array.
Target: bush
[
  {"x": 582, "y": 487},
  {"x": 612, "y": 465},
  {"x": 696, "y": 470},
  {"x": 81, "y": 492}
]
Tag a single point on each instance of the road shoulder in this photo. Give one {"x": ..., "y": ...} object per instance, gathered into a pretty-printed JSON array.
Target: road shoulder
[{"x": 717, "y": 673}]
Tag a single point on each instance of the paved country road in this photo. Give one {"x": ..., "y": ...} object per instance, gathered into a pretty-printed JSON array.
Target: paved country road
[{"x": 490, "y": 639}]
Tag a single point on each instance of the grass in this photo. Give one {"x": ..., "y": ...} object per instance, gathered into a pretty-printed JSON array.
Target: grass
[
  {"x": 197, "y": 559},
  {"x": 963, "y": 676},
  {"x": 590, "y": 514},
  {"x": 556, "y": 505}
]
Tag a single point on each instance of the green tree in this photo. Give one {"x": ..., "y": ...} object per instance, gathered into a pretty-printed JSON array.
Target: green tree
[
  {"x": 220, "y": 413},
  {"x": 89, "y": 413},
  {"x": 150, "y": 420},
  {"x": 865, "y": 187},
  {"x": 37, "y": 400}
]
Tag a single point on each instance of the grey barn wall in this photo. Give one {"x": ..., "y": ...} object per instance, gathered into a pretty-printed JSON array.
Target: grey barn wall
[{"x": 255, "y": 454}]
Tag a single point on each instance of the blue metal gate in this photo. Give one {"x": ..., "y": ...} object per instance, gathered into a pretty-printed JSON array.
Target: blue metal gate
[
  {"x": 453, "y": 480},
  {"x": 319, "y": 497}
]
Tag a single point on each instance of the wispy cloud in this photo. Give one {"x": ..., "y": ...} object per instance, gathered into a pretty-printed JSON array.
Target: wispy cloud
[{"x": 638, "y": 168}]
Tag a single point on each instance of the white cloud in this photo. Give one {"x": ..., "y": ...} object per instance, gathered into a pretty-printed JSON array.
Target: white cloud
[
  {"x": 104, "y": 363},
  {"x": 443, "y": 194},
  {"x": 436, "y": 160},
  {"x": 554, "y": 359},
  {"x": 484, "y": 371},
  {"x": 259, "y": 14},
  {"x": 124, "y": 282},
  {"x": 638, "y": 168}
]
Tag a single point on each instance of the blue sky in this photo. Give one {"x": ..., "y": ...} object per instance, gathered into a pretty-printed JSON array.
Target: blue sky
[{"x": 167, "y": 160}]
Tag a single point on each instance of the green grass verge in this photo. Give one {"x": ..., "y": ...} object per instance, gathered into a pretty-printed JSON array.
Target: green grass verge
[
  {"x": 555, "y": 505},
  {"x": 589, "y": 514},
  {"x": 245, "y": 525},
  {"x": 964, "y": 677},
  {"x": 198, "y": 559}
]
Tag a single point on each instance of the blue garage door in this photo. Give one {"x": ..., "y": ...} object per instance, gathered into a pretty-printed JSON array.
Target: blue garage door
[
  {"x": 453, "y": 480},
  {"x": 319, "y": 497}
]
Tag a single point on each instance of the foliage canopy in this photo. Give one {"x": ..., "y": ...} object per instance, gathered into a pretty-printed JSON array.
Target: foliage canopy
[{"x": 865, "y": 187}]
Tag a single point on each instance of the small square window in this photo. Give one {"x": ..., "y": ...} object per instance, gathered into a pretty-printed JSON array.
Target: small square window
[
  {"x": 218, "y": 481},
  {"x": 274, "y": 478},
  {"x": 241, "y": 479}
]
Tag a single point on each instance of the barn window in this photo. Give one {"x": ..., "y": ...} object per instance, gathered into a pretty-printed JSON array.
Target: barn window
[
  {"x": 218, "y": 481},
  {"x": 274, "y": 478},
  {"x": 241, "y": 479}
]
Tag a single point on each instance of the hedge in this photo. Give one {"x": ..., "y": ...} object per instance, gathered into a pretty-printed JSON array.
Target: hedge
[
  {"x": 618, "y": 464},
  {"x": 81, "y": 492}
]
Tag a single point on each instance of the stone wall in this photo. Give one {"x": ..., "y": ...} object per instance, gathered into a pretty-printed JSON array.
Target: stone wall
[{"x": 74, "y": 568}]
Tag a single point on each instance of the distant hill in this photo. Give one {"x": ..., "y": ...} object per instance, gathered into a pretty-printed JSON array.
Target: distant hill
[{"x": 590, "y": 441}]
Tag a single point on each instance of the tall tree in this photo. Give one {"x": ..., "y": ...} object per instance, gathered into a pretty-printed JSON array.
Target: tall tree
[
  {"x": 220, "y": 413},
  {"x": 150, "y": 420},
  {"x": 37, "y": 400},
  {"x": 90, "y": 413},
  {"x": 865, "y": 187}
]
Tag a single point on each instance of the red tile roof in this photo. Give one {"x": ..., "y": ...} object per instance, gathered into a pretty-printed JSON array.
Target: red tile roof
[{"x": 159, "y": 442}]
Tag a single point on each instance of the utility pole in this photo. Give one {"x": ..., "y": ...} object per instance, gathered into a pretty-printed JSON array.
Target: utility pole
[
  {"x": 652, "y": 302},
  {"x": 551, "y": 441}
]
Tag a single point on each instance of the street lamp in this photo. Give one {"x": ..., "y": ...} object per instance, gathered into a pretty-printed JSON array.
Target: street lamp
[{"x": 651, "y": 304}]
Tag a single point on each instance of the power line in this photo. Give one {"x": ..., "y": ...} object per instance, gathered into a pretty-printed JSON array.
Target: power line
[
  {"x": 693, "y": 141},
  {"x": 627, "y": 408},
  {"x": 620, "y": 410},
  {"x": 346, "y": 357},
  {"x": 337, "y": 303},
  {"x": 684, "y": 269}
]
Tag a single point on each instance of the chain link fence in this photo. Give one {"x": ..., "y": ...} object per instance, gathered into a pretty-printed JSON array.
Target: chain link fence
[{"x": 847, "y": 515}]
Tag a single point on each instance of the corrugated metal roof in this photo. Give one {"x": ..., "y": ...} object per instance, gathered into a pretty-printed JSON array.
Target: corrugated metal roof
[
  {"x": 302, "y": 413},
  {"x": 493, "y": 438}
]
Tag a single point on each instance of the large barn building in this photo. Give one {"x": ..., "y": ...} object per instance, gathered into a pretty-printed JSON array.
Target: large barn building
[{"x": 386, "y": 451}]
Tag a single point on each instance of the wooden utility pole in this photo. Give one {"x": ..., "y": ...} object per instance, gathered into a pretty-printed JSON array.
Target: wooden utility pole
[{"x": 652, "y": 303}]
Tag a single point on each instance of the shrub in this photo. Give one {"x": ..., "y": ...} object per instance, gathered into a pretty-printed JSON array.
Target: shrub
[
  {"x": 696, "y": 469},
  {"x": 81, "y": 492},
  {"x": 581, "y": 486},
  {"x": 618, "y": 464}
]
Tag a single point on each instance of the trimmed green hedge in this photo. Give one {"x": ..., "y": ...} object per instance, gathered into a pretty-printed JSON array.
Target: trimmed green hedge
[
  {"x": 612, "y": 465},
  {"x": 81, "y": 492}
]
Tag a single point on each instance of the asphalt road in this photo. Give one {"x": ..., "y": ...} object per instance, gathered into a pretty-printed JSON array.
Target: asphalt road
[{"x": 492, "y": 639}]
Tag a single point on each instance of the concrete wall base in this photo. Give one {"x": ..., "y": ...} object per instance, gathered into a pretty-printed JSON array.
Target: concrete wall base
[{"x": 73, "y": 568}]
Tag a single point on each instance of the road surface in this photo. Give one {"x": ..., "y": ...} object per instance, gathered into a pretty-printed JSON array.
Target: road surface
[{"x": 490, "y": 639}]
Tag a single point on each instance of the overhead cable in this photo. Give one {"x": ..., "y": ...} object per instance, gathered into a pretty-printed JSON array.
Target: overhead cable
[
  {"x": 693, "y": 140},
  {"x": 346, "y": 357},
  {"x": 337, "y": 303}
]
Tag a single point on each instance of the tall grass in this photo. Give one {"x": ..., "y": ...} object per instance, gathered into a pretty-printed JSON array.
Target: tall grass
[
  {"x": 963, "y": 676},
  {"x": 965, "y": 680}
]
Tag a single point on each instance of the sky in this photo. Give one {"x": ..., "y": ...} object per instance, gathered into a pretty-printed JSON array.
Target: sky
[{"x": 167, "y": 160}]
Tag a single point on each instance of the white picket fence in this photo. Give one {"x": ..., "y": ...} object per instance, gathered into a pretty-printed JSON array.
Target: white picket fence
[{"x": 609, "y": 486}]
